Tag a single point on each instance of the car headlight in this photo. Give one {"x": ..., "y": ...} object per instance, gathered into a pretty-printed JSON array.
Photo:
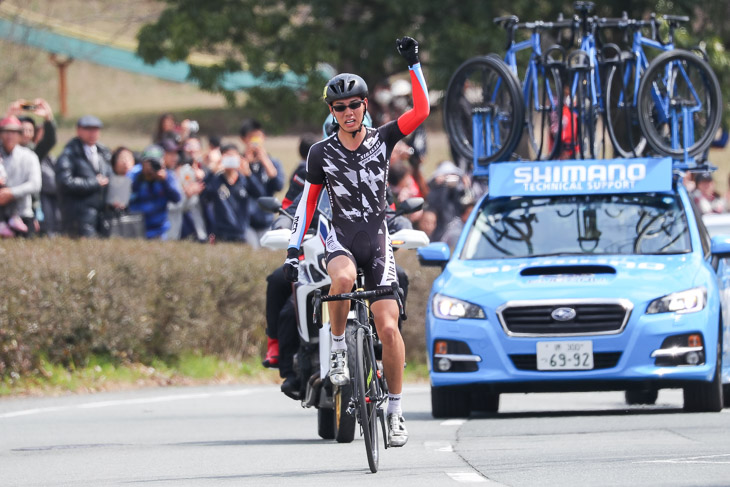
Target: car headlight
[
  {"x": 448, "y": 308},
  {"x": 688, "y": 301}
]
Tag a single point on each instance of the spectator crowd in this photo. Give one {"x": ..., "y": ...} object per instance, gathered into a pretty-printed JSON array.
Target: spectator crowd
[{"x": 174, "y": 189}]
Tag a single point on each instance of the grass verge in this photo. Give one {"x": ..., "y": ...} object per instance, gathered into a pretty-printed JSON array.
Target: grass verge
[{"x": 103, "y": 373}]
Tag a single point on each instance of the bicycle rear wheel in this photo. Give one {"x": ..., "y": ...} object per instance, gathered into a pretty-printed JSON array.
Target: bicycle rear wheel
[
  {"x": 588, "y": 135},
  {"x": 622, "y": 116},
  {"x": 483, "y": 98},
  {"x": 680, "y": 104},
  {"x": 367, "y": 400},
  {"x": 543, "y": 112}
]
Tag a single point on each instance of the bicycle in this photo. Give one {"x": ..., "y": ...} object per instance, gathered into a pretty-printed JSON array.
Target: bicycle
[
  {"x": 369, "y": 388},
  {"x": 541, "y": 85},
  {"x": 483, "y": 111},
  {"x": 622, "y": 85},
  {"x": 679, "y": 105}
]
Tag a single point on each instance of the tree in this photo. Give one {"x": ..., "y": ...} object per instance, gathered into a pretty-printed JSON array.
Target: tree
[{"x": 273, "y": 38}]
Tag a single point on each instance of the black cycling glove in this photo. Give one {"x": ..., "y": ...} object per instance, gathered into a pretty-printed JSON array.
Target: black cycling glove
[
  {"x": 291, "y": 265},
  {"x": 408, "y": 48}
]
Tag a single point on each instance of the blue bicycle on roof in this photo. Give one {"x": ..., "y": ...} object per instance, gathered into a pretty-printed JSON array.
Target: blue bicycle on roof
[{"x": 672, "y": 105}]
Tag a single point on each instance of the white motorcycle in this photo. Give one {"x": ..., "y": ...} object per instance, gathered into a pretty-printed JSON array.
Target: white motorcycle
[{"x": 311, "y": 362}]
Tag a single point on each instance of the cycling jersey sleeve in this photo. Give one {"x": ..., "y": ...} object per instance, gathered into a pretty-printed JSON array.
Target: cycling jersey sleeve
[
  {"x": 408, "y": 122},
  {"x": 308, "y": 203}
]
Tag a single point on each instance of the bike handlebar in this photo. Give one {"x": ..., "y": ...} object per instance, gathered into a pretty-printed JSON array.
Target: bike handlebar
[{"x": 318, "y": 299}]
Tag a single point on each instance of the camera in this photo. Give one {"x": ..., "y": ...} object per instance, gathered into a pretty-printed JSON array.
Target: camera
[
  {"x": 194, "y": 127},
  {"x": 156, "y": 164},
  {"x": 28, "y": 107}
]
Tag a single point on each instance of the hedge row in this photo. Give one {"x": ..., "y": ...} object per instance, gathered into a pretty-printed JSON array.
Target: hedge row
[{"x": 67, "y": 300}]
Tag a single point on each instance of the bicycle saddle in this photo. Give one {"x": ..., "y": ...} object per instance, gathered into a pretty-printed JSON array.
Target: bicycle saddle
[{"x": 506, "y": 21}]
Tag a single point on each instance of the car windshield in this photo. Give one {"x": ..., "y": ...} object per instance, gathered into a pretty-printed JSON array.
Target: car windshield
[{"x": 578, "y": 225}]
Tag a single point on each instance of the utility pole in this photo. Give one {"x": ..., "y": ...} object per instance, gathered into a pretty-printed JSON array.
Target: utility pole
[{"x": 62, "y": 64}]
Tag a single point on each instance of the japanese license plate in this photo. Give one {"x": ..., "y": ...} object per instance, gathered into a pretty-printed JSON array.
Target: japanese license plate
[{"x": 565, "y": 355}]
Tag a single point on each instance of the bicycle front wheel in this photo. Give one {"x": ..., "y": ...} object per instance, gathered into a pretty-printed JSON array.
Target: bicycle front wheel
[
  {"x": 543, "y": 112},
  {"x": 621, "y": 111},
  {"x": 484, "y": 110},
  {"x": 367, "y": 399},
  {"x": 680, "y": 104}
]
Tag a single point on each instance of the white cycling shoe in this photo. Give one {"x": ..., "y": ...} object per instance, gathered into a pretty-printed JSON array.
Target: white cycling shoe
[
  {"x": 339, "y": 372},
  {"x": 397, "y": 432}
]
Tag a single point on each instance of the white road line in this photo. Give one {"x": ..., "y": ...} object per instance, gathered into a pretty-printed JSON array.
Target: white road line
[
  {"x": 141, "y": 400},
  {"x": 706, "y": 459},
  {"x": 27, "y": 412},
  {"x": 453, "y": 422},
  {"x": 126, "y": 402},
  {"x": 467, "y": 477},
  {"x": 438, "y": 446}
]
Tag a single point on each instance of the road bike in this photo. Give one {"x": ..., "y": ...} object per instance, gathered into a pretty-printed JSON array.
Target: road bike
[{"x": 369, "y": 387}]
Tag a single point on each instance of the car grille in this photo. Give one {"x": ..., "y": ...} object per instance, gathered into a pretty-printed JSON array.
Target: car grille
[
  {"x": 602, "y": 360},
  {"x": 590, "y": 319}
]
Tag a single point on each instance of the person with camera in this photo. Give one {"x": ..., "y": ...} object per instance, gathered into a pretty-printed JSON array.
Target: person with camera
[
  {"x": 152, "y": 189},
  {"x": 266, "y": 170},
  {"x": 82, "y": 175},
  {"x": 353, "y": 164},
  {"x": 20, "y": 173},
  {"x": 41, "y": 139},
  {"x": 229, "y": 193}
]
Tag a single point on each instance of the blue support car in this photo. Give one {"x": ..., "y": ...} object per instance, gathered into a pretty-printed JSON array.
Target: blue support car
[{"x": 580, "y": 276}]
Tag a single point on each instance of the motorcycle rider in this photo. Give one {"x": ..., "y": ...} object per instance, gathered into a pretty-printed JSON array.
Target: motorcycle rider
[{"x": 353, "y": 165}]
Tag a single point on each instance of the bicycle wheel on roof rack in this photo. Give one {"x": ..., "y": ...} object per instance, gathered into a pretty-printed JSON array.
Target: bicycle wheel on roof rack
[
  {"x": 622, "y": 118},
  {"x": 679, "y": 104},
  {"x": 543, "y": 112},
  {"x": 484, "y": 110}
]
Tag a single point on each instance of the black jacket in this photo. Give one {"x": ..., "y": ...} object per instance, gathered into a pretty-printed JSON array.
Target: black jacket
[{"x": 82, "y": 198}]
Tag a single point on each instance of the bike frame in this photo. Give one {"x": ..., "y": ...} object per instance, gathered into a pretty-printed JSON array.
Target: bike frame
[{"x": 588, "y": 44}]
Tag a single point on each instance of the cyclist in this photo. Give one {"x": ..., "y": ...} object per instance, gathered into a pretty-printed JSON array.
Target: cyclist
[{"x": 353, "y": 165}]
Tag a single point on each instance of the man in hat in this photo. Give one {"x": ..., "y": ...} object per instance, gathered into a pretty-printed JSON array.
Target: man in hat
[
  {"x": 82, "y": 174},
  {"x": 23, "y": 173},
  {"x": 152, "y": 189}
]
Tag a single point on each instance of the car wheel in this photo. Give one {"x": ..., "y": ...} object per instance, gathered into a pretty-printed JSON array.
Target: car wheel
[
  {"x": 641, "y": 396},
  {"x": 706, "y": 396},
  {"x": 450, "y": 402},
  {"x": 484, "y": 401}
]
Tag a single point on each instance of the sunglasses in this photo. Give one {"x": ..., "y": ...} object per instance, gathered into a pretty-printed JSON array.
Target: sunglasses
[{"x": 354, "y": 105}]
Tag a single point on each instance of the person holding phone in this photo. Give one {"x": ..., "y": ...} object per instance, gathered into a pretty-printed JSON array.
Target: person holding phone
[{"x": 266, "y": 170}]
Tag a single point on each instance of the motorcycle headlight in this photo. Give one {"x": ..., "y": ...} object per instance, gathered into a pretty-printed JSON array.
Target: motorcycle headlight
[
  {"x": 448, "y": 308},
  {"x": 688, "y": 301}
]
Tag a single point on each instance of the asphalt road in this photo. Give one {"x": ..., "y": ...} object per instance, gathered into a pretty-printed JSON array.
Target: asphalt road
[{"x": 253, "y": 435}]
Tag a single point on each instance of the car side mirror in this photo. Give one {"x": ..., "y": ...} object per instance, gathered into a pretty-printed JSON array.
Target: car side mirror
[
  {"x": 434, "y": 254},
  {"x": 720, "y": 246}
]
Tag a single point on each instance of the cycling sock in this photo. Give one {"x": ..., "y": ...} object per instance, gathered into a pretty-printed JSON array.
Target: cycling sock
[
  {"x": 394, "y": 404},
  {"x": 338, "y": 342}
]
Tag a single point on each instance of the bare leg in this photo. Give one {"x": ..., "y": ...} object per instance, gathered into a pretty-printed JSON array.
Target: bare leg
[
  {"x": 385, "y": 313},
  {"x": 343, "y": 273}
]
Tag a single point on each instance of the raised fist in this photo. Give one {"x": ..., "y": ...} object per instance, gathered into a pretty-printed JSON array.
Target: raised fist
[{"x": 408, "y": 48}]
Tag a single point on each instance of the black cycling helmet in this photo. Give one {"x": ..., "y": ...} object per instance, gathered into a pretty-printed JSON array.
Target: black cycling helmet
[{"x": 345, "y": 85}]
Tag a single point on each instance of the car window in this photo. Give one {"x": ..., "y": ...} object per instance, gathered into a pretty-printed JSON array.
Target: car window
[{"x": 589, "y": 224}]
